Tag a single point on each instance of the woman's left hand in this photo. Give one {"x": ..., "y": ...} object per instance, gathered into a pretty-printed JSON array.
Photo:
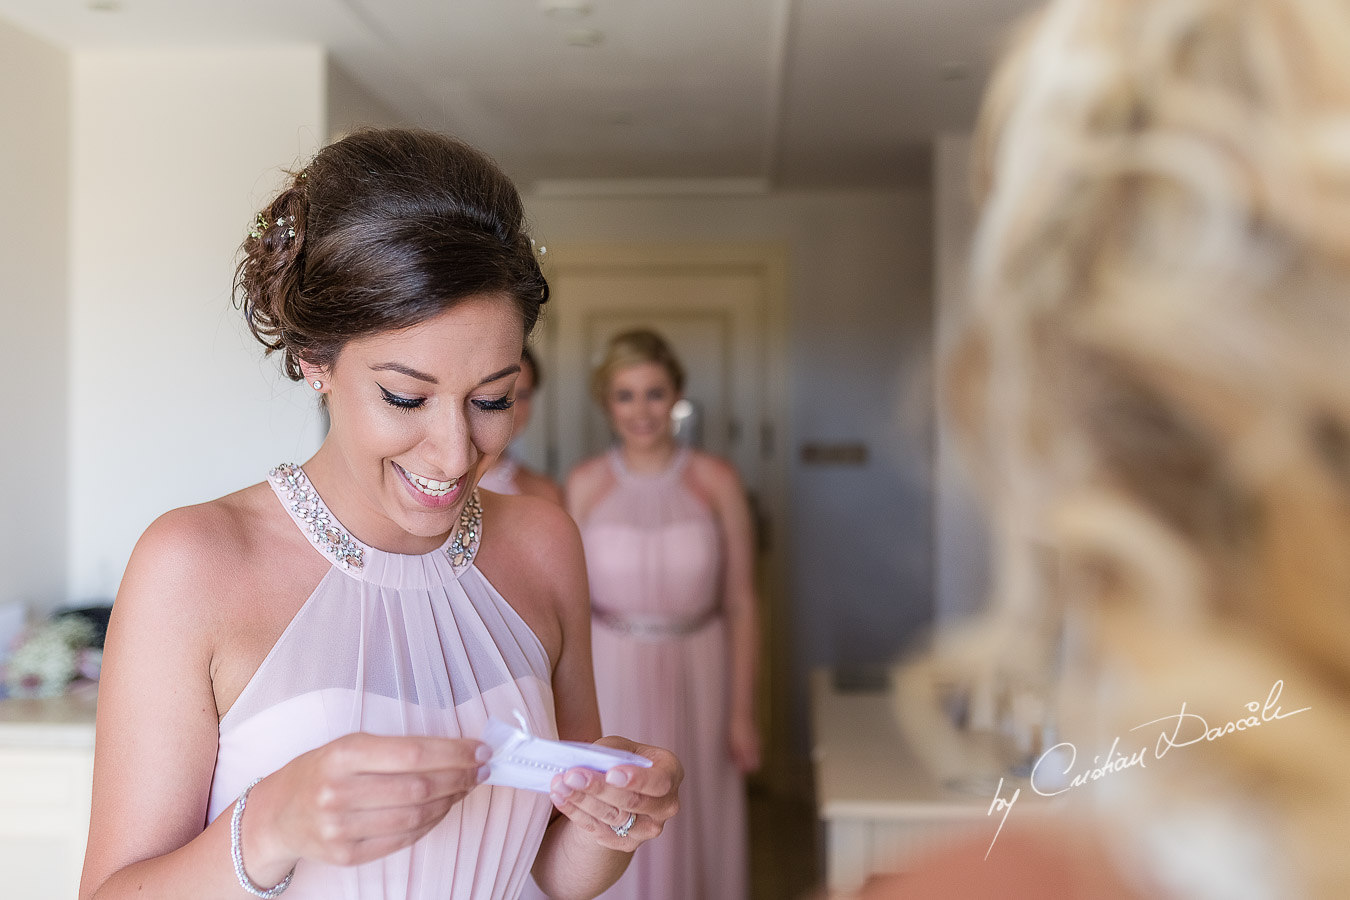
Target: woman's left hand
[{"x": 601, "y": 803}]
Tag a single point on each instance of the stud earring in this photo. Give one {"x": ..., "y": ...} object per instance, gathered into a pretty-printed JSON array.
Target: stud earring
[{"x": 317, "y": 384}]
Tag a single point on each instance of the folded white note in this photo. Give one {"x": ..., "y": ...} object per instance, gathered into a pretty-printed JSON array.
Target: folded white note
[{"x": 522, "y": 760}]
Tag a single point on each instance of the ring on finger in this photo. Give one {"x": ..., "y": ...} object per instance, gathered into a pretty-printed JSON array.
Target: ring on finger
[{"x": 622, "y": 830}]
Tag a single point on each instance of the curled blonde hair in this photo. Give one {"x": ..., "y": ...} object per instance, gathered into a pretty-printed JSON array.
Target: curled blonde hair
[
  {"x": 640, "y": 345},
  {"x": 1155, "y": 385}
]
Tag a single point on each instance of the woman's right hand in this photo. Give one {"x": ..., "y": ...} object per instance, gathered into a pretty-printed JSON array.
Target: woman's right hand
[{"x": 356, "y": 799}]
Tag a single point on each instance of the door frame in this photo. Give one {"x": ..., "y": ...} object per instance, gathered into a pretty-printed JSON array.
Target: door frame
[{"x": 768, "y": 261}]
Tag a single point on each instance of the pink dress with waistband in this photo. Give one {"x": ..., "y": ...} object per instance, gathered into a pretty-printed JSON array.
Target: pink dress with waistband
[
  {"x": 654, "y": 558},
  {"x": 397, "y": 645}
]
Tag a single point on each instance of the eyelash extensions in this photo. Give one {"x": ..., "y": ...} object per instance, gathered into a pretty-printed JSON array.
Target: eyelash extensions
[
  {"x": 398, "y": 402},
  {"x": 408, "y": 403},
  {"x": 497, "y": 405}
]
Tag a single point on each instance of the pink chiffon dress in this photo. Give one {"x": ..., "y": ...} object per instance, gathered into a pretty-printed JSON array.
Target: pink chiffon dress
[
  {"x": 397, "y": 645},
  {"x": 654, "y": 559}
]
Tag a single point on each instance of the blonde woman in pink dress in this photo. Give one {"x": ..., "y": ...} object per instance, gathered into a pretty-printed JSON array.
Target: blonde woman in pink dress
[
  {"x": 296, "y": 675},
  {"x": 670, "y": 556},
  {"x": 509, "y": 475}
]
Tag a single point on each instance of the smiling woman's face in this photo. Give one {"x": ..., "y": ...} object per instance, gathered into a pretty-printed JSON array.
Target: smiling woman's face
[
  {"x": 418, "y": 416},
  {"x": 639, "y": 399}
]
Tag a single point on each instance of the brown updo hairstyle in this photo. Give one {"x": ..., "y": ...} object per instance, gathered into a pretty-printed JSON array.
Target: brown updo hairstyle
[
  {"x": 382, "y": 230},
  {"x": 641, "y": 345}
]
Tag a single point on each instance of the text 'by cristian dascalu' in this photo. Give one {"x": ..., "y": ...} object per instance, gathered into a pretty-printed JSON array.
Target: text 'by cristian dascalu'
[{"x": 1180, "y": 730}]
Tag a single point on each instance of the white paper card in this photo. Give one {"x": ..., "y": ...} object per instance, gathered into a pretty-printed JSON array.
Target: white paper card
[{"x": 522, "y": 760}]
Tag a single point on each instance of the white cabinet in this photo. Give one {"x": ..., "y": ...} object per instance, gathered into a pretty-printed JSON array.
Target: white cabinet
[
  {"x": 879, "y": 804},
  {"x": 46, "y": 772}
]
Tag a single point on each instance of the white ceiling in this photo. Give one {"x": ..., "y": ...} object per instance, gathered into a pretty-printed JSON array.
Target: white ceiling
[{"x": 774, "y": 92}]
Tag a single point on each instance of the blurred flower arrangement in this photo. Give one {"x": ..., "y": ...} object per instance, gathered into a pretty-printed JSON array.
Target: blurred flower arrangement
[{"x": 50, "y": 655}]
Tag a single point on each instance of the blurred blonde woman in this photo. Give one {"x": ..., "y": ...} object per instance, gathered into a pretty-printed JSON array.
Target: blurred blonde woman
[
  {"x": 1156, "y": 385},
  {"x": 670, "y": 555},
  {"x": 509, "y": 475}
]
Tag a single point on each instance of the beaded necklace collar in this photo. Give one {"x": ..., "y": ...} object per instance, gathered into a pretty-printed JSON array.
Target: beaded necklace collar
[{"x": 335, "y": 542}]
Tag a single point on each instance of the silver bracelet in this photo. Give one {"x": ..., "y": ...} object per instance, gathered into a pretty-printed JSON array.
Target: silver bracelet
[{"x": 237, "y": 851}]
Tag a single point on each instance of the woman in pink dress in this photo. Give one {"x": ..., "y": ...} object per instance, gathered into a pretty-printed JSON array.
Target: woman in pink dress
[
  {"x": 670, "y": 556},
  {"x": 510, "y": 475},
  {"x": 323, "y": 649}
]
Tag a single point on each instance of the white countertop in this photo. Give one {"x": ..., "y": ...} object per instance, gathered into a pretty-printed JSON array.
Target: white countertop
[
  {"x": 865, "y": 768},
  {"x": 53, "y": 722}
]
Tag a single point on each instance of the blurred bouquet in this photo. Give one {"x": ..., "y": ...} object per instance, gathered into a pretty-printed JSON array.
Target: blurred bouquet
[{"x": 52, "y": 654}]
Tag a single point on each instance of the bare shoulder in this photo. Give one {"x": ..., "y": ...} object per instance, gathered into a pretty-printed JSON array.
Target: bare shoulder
[
  {"x": 187, "y": 551},
  {"x": 718, "y": 477},
  {"x": 532, "y": 526},
  {"x": 588, "y": 472},
  {"x": 203, "y": 570},
  {"x": 531, "y": 553},
  {"x": 586, "y": 483},
  {"x": 537, "y": 484}
]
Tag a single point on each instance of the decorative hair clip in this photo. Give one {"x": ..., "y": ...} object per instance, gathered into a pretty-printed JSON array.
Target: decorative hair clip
[
  {"x": 538, "y": 248},
  {"x": 261, "y": 225}
]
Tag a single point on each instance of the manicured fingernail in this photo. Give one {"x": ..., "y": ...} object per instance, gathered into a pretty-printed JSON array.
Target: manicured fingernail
[
  {"x": 617, "y": 777},
  {"x": 483, "y": 773},
  {"x": 483, "y": 753},
  {"x": 575, "y": 780},
  {"x": 558, "y": 799}
]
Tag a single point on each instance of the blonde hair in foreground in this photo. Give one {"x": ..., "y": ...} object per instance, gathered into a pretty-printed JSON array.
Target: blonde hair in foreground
[{"x": 1155, "y": 386}]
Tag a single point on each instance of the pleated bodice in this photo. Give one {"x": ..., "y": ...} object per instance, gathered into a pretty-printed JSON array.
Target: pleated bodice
[
  {"x": 653, "y": 548},
  {"x": 394, "y": 644}
]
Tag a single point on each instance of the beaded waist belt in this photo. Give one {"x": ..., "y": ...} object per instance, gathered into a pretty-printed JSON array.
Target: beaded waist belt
[{"x": 650, "y": 626}]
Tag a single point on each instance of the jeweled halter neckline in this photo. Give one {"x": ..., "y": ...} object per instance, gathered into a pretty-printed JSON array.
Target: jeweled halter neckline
[{"x": 336, "y": 542}]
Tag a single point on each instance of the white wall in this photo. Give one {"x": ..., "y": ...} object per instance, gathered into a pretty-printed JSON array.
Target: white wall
[
  {"x": 860, "y": 345},
  {"x": 961, "y": 553},
  {"x": 170, "y": 400},
  {"x": 34, "y": 160},
  {"x": 351, "y": 106}
]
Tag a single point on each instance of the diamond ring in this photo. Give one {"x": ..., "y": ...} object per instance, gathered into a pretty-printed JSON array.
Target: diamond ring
[{"x": 622, "y": 830}]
